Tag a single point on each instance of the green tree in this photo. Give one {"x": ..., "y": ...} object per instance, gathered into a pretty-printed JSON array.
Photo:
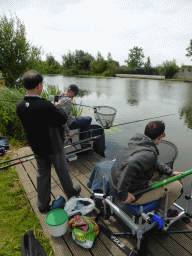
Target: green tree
[
  {"x": 109, "y": 57},
  {"x": 189, "y": 50},
  {"x": 53, "y": 66},
  {"x": 99, "y": 57},
  {"x": 135, "y": 58},
  {"x": 147, "y": 64},
  {"x": 75, "y": 62},
  {"x": 16, "y": 53}
]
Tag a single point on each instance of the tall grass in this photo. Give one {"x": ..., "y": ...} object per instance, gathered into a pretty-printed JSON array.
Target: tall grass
[{"x": 10, "y": 124}]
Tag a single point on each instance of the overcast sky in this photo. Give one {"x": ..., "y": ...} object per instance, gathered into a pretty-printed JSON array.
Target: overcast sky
[{"x": 162, "y": 28}]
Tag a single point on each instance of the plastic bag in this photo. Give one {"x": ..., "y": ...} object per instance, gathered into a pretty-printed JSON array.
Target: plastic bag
[
  {"x": 79, "y": 205},
  {"x": 84, "y": 230}
]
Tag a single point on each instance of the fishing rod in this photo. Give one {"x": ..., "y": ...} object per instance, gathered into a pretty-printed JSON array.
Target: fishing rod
[
  {"x": 125, "y": 123},
  {"x": 32, "y": 155},
  {"x": 162, "y": 183}
]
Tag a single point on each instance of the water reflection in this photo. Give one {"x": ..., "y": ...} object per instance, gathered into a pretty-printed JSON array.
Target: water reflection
[
  {"x": 133, "y": 92},
  {"x": 186, "y": 110}
]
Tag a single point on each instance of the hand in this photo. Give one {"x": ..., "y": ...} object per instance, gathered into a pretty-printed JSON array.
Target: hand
[
  {"x": 129, "y": 199},
  {"x": 74, "y": 103},
  {"x": 177, "y": 173},
  {"x": 70, "y": 134},
  {"x": 56, "y": 103}
]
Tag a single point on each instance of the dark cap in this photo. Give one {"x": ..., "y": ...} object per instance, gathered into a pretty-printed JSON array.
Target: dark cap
[{"x": 74, "y": 88}]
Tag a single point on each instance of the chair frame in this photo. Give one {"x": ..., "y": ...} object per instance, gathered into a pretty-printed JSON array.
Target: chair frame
[{"x": 140, "y": 223}]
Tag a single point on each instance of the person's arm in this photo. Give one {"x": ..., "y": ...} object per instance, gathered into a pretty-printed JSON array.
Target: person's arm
[
  {"x": 56, "y": 114},
  {"x": 67, "y": 104},
  {"x": 164, "y": 169}
]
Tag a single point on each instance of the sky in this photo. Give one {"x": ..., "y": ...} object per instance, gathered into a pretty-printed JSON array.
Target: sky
[{"x": 162, "y": 28}]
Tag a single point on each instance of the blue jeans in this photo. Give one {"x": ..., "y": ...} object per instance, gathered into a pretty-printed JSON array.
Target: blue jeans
[{"x": 83, "y": 123}]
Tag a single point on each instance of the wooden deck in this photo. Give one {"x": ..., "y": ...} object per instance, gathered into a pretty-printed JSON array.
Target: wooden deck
[{"x": 174, "y": 244}]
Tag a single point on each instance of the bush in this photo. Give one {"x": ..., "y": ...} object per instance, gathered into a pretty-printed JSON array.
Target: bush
[
  {"x": 108, "y": 72},
  {"x": 98, "y": 67},
  {"x": 10, "y": 125},
  {"x": 168, "y": 69}
]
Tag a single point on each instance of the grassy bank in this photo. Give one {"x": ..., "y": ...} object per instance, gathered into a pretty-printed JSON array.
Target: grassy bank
[{"x": 17, "y": 216}]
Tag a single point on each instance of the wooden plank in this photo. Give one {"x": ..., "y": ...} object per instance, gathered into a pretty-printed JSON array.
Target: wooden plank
[
  {"x": 171, "y": 245},
  {"x": 80, "y": 171},
  {"x": 76, "y": 249},
  {"x": 157, "y": 249},
  {"x": 58, "y": 244}
]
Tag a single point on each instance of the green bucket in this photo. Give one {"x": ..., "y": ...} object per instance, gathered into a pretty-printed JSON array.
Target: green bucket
[{"x": 57, "y": 222}]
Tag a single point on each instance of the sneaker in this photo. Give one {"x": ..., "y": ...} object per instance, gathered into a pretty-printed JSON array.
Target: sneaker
[{"x": 171, "y": 214}]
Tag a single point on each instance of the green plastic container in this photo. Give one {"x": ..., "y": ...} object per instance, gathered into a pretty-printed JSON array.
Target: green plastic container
[{"x": 57, "y": 221}]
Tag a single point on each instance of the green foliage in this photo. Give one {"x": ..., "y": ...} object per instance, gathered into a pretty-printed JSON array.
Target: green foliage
[
  {"x": 98, "y": 67},
  {"x": 76, "y": 110},
  {"x": 168, "y": 69},
  {"x": 189, "y": 50},
  {"x": 135, "y": 57},
  {"x": 75, "y": 62},
  {"x": 147, "y": 65},
  {"x": 16, "y": 53},
  {"x": 10, "y": 125},
  {"x": 50, "y": 90},
  {"x": 53, "y": 66},
  {"x": 17, "y": 216}
]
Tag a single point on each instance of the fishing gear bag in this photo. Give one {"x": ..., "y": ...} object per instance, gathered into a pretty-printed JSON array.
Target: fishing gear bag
[
  {"x": 79, "y": 205},
  {"x": 3, "y": 145},
  {"x": 30, "y": 246}
]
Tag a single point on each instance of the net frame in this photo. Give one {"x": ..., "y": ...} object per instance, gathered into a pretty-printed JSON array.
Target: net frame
[
  {"x": 165, "y": 155},
  {"x": 105, "y": 115}
]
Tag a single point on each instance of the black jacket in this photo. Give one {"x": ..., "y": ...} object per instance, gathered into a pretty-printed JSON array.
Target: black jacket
[
  {"x": 135, "y": 166},
  {"x": 42, "y": 122}
]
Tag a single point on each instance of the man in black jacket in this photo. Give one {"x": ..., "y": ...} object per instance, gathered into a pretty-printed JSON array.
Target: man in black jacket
[
  {"x": 137, "y": 167},
  {"x": 42, "y": 121}
]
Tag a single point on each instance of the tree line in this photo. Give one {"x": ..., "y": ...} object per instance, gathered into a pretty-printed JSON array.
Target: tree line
[{"x": 18, "y": 55}]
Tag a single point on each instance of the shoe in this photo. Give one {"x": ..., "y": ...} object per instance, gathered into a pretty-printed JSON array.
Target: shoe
[
  {"x": 45, "y": 210},
  {"x": 171, "y": 214},
  {"x": 58, "y": 203},
  {"x": 78, "y": 189}
]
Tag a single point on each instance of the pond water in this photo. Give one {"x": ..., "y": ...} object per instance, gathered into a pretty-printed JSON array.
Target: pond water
[{"x": 135, "y": 100}]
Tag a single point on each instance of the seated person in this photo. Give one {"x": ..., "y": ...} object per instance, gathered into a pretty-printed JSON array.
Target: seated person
[
  {"x": 82, "y": 122},
  {"x": 137, "y": 167}
]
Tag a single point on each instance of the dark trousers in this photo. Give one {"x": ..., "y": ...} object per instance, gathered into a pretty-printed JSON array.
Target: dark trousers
[
  {"x": 83, "y": 123},
  {"x": 44, "y": 177}
]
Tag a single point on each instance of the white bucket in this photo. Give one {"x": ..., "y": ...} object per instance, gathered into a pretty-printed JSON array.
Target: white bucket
[{"x": 57, "y": 221}]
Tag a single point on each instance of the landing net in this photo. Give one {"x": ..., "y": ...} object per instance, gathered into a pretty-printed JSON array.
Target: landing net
[{"x": 105, "y": 116}]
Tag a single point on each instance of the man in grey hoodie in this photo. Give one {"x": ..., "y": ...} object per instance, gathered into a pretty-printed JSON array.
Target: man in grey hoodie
[{"x": 137, "y": 167}]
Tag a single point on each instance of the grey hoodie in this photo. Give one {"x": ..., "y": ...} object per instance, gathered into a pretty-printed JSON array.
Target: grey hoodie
[{"x": 135, "y": 166}]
